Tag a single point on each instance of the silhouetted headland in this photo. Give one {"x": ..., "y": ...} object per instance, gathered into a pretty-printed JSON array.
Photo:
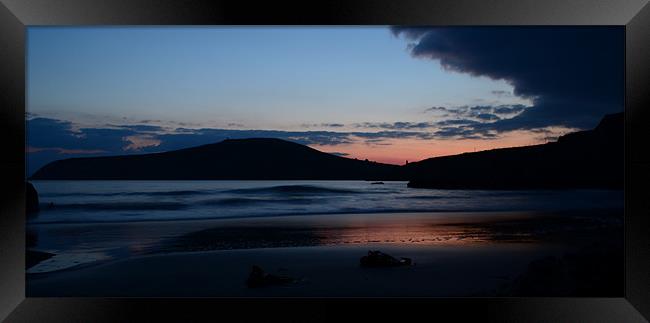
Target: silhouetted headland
[
  {"x": 232, "y": 159},
  {"x": 585, "y": 159}
]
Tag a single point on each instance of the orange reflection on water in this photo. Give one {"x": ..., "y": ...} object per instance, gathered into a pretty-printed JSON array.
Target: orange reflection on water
[
  {"x": 419, "y": 229},
  {"x": 427, "y": 234}
]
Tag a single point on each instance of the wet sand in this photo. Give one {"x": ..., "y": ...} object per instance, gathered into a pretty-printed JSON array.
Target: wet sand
[{"x": 469, "y": 254}]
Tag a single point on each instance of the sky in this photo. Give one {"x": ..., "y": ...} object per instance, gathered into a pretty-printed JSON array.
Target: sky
[{"x": 388, "y": 94}]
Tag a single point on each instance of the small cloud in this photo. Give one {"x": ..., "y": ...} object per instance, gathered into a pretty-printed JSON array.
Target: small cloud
[
  {"x": 502, "y": 94},
  {"x": 322, "y": 125},
  {"x": 64, "y": 151},
  {"x": 332, "y": 125},
  {"x": 456, "y": 122},
  {"x": 142, "y": 128},
  {"x": 394, "y": 126},
  {"x": 487, "y": 117},
  {"x": 509, "y": 109},
  {"x": 464, "y": 132},
  {"x": 377, "y": 142},
  {"x": 137, "y": 142},
  {"x": 480, "y": 108},
  {"x": 435, "y": 109}
]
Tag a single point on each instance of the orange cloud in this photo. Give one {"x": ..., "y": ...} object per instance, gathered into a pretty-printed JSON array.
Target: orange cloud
[
  {"x": 399, "y": 150},
  {"x": 138, "y": 142}
]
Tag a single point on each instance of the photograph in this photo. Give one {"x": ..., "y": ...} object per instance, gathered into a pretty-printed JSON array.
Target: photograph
[{"x": 324, "y": 161}]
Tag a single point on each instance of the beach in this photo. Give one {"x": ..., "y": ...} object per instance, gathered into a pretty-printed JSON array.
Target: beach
[
  {"x": 454, "y": 254},
  {"x": 322, "y": 271},
  {"x": 342, "y": 162}
]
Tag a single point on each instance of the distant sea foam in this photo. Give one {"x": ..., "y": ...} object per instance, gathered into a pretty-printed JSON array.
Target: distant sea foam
[{"x": 125, "y": 201}]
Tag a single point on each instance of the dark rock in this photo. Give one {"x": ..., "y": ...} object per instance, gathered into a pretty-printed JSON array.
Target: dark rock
[
  {"x": 31, "y": 199},
  {"x": 380, "y": 259},
  {"x": 31, "y": 238},
  {"x": 33, "y": 257},
  {"x": 258, "y": 278}
]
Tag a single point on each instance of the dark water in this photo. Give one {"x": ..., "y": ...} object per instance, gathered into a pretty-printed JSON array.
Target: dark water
[
  {"x": 128, "y": 201},
  {"x": 84, "y": 222}
]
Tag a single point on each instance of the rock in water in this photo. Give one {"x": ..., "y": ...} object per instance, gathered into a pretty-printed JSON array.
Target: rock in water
[
  {"x": 258, "y": 278},
  {"x": 31, "y": 199},
  {"x": 380, "y": 259}
]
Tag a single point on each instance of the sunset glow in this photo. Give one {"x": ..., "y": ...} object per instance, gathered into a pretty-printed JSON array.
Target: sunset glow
[{"x": 375, "y": 93}]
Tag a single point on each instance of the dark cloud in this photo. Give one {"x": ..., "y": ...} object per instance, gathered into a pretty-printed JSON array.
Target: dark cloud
[
  {"x": 456, "y": 122},
  {"x": 377, "y": 142},
  {"x": 463, "y": 132},
  {"x": 51, "y": 139},
  {"x": 46, "y": 132},
  {"x": 315, "y": 137},
  {"x": 392, "y": 135},
  {"x": 150, "y": 121},
  {"x": 573, "y": 75},
  {"x": 140, "y": 128},
  {"x": 487, "y": 116},
  {"x": 333, "y": 125},
  {"x": 57, "y": 139},
  {"x": 465, "y": 114},
  {"x": 394, "y": 125},
  {"x": 480, "y": 108},
  {"x": 501, "y": 93},
  {"x": 509, "y": 109},
  {"x": 321, "y": 125},
  {"x": 339, "y": 153},
  {"x": 436, "y": 109}
]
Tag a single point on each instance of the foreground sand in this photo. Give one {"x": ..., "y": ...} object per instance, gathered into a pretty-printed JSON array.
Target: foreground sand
[
  {"x": 324, "y": 271},
  {"x": 470, "y": 255}
]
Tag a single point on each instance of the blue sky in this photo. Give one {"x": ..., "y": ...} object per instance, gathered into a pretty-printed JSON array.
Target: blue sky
[
  {"x": 383, "y": 93},
  {"x": 276, "y": 78}
]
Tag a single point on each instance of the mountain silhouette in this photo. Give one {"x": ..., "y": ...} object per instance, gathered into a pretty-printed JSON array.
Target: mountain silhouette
[
  {"x": 231, "y": 159},
  {"x": 584, "y": 159}
]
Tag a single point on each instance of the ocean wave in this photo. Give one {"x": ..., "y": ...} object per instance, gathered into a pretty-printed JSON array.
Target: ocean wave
[
  {"x": 292, "y": 189},
  {"x": 118, "y": 206},
  {"x": 435, "y": 197},
  {"x": 176, "y": 193},
  {"x": 155, "y": 193},
  {"x": 243, "y": 201}
]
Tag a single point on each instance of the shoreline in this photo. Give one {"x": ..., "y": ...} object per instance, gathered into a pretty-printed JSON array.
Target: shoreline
[
  {"x": 335, "y": 242},
  {"x": 340, "y": 229}
]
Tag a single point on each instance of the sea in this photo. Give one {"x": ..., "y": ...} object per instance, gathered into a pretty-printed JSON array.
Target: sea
[
  {"x": 129, "y": 201},
  {"x": 82, "y": 222}
]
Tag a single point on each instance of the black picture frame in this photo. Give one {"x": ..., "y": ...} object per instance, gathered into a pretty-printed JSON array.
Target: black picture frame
[{"x": 15, "y": 15}]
